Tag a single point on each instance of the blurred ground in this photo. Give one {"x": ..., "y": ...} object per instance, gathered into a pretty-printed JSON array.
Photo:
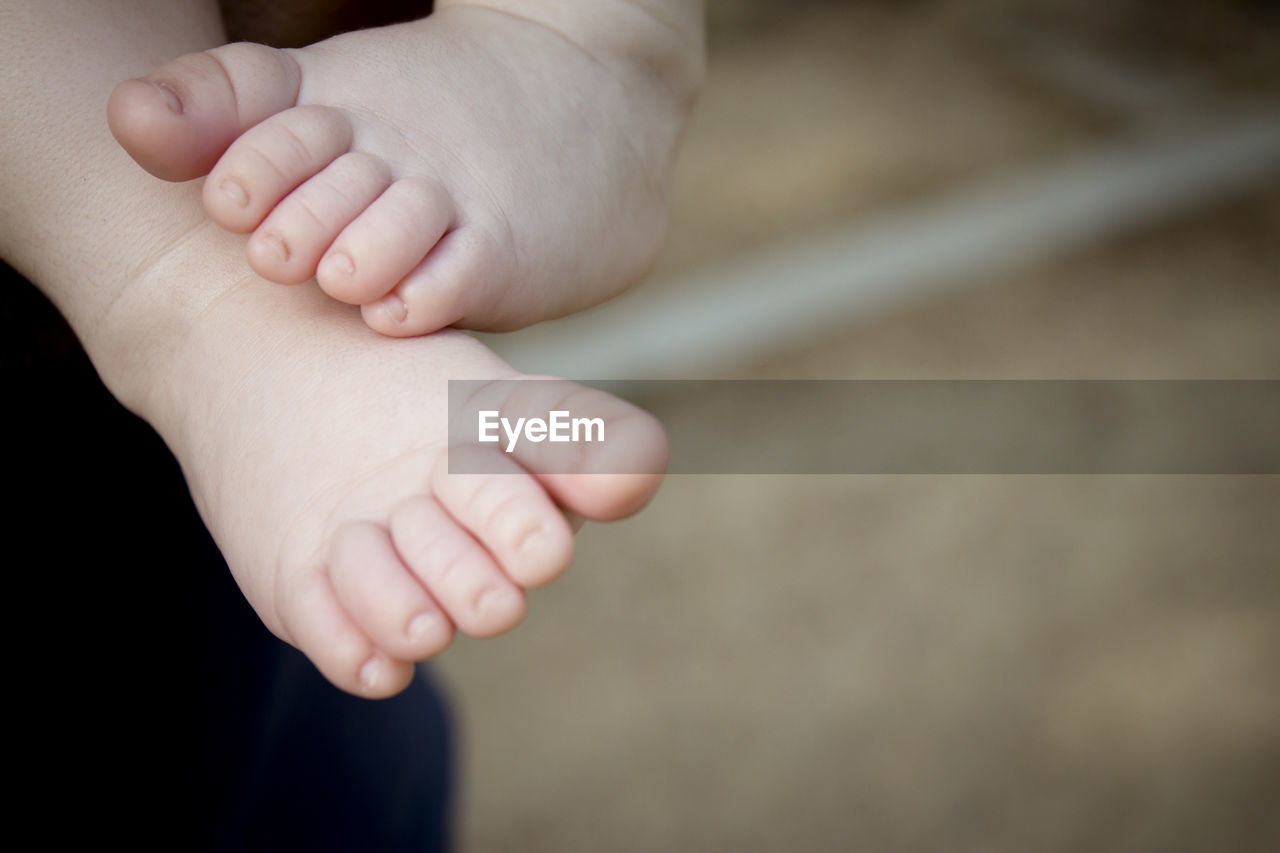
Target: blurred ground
[{"x": 927, "y": 663}]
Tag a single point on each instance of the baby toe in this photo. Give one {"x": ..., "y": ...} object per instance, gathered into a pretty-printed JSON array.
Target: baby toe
[
  {"x": 467, "y": 277},
  {"x": 316, "y": 623},
  {"x": 387, "y": 241},
  {"x": 460, "y": 575},
  {"x": 383, "y": 597},
  {"x": 512, "y": 516},
  {"x": 287, "y": 246},
  {"x": 179, "y": 119},
  {"x": 269, "y": 160}
]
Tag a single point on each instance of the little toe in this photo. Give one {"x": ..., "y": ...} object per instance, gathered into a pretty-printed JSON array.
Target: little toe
[
  {"x": 382, "y": 597},
  {"x": 464, "y": 278},
  {"x": 386, "y": 241},
  {"x": 288, "y": 244},
  {"x": 316, "y": 623},
  {"x": 177, "y": 121},
  {"x": 460, "y": 575},
  {"x": 508, "y": 512},
  {"x": 269, "y": 160}
]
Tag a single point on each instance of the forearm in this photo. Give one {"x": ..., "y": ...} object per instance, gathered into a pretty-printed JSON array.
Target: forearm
[{"x": 80, "y": 219}]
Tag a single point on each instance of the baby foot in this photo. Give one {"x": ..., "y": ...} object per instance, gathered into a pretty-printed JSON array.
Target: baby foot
[
  {"x": 317, "y": 454},
  {"x": 475, "y": 168}
]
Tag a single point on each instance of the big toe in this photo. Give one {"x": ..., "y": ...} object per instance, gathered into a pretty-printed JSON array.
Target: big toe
[
  {"x": 179, "y": 119},
  {"x": 597, "y": 455}
]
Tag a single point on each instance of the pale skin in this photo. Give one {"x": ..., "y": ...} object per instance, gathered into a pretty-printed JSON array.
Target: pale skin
[
  {"x": 313, "y": 447},
  {"x": 492, "y": 165}
]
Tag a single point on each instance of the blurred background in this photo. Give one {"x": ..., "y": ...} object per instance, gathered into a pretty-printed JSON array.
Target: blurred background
[{"x": 1030, "y": 189}]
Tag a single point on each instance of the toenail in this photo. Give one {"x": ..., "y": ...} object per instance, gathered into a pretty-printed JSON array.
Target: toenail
[
  {"x": 529, "y": 541},
  {"x": 170, "y": 96},
  {"x": 369, "y": 673},
  {"x": 394, "y": 308},
  {"x": 422, "y": 625},
  {"x": 339, "y": 263},
  {"x": 278, "y": 246},
  {"x": 493, "y": 601},
  {"x": 235, "y": 191}
]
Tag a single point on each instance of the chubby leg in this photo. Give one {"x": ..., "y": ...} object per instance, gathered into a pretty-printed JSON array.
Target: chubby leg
[{"x": 489, "y": 166}]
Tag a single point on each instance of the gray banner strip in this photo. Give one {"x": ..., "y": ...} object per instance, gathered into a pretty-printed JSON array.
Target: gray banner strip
[{"x": 893, "y": 426}]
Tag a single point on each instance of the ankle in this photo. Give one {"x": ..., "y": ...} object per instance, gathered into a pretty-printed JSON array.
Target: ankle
[
  {"x": 137, "y": 343},
  {"x": 657, "y": 41},
  {"x": 668, "y": 42}
]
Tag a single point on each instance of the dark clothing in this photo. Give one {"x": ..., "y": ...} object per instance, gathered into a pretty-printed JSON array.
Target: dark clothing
[{"x": 153, "y": 706}]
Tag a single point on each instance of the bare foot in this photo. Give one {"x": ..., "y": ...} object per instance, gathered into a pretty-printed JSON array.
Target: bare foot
[
  {"x": 477, "y": 168},
  {"x": 315, "y": 448},
  {"x": 317, "y": 453}
]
